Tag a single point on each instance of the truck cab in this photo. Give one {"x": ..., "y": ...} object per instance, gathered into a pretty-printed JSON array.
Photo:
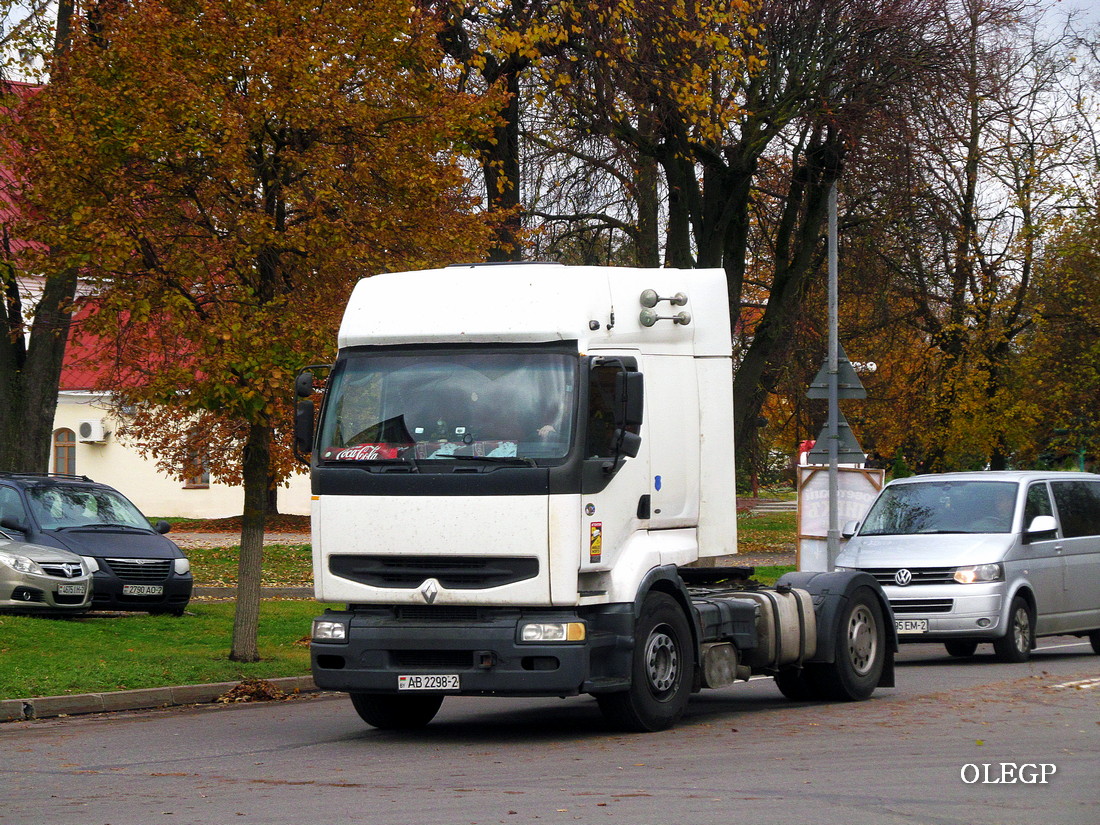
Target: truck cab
[{"x": 511, "y": 465}]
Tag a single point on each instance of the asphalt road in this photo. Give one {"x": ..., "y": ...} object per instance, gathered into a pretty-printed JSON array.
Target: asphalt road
[{"x": 913, "y": 754}]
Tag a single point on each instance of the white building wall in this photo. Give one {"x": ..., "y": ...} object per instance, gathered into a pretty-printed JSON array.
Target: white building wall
[{"x": 157, "y": 495}]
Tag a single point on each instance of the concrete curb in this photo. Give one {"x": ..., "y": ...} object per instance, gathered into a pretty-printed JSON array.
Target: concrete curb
[{"x": 42, "y": 707}]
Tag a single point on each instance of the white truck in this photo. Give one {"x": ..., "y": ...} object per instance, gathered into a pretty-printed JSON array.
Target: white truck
[{"x": 523, "y": 479}]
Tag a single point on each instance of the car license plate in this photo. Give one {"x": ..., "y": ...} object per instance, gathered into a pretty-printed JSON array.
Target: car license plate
[
  {"x": 911, "y": 625},
  {"x": 424, "y": 682},
  {"x": 142, "y": 590},
  {"x": 71, "y": 589}
]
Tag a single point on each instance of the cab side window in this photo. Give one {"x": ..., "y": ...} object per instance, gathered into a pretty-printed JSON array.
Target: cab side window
[
  {"x": 1037, "y": 504},
  {"x": 1078, "y": 507}
]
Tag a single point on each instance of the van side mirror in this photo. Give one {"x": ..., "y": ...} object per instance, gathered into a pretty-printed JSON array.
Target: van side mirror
[
  {"x": 849, "y": 529},
  {"x": 1041, "y": 524},
  {"x": 15, "y": 524},
  {"x": 162, "y": 527}
]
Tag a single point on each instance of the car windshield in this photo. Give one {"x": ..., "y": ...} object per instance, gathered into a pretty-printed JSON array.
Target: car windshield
[
  {"x": 57, "y": 506},
  {"x": 942, "y": 507},
  {"x": 450, "y": 405}
]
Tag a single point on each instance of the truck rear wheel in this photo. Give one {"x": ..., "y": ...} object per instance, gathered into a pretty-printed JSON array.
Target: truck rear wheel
[
  {"x": 661, "y": 670},
  {"x": 396, "y": 712},
  {"x": 860, "y": 652}
]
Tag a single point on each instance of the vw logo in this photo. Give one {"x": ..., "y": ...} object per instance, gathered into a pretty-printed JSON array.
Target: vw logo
[{"x": 903, "y": 577}]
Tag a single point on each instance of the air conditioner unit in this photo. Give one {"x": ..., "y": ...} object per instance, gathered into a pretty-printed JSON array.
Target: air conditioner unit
[{"x": 91, "y": 431}]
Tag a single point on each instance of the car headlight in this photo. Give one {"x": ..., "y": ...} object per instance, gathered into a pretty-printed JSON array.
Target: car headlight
[
  {"x": 979, "y": 573},
  {"x": 552, "y": 632},
  {"x": 181, "y": 566},
  {"x": 90, "y": 564},
  {"x": 21, "y": 563},
  {"x": 328, "y": 631}
]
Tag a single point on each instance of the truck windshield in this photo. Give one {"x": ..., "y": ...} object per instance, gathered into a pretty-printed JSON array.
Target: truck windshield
[
  {"x": 448, "y": 406},
  {"x": 942, "y": 507}
]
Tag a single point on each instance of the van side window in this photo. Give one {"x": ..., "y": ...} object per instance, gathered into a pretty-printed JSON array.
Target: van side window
[
  {"x": 1078, "y": 507},
  {"x": 11, "y": 507},
  {"x": 1037, "y": 504}
]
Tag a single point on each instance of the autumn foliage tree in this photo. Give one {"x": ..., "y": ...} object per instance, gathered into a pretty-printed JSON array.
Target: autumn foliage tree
[{"x": 222, "y": 172}]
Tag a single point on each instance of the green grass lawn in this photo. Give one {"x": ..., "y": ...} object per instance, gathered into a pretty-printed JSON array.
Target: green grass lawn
[
  {"x": 285, "y": 565},
  {"x": 49, "y": 657}
]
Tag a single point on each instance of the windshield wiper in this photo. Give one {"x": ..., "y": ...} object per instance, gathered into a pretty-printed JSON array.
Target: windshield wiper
[
  {"x": 493, "y": 459},
  {"x": 102, "y": 525}
]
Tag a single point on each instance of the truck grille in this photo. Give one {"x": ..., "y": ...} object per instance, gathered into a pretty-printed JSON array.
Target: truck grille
[
  {"x": 921, "y": 575},
  {"x": 902, "y": 606},
  {"x": 140, "y": 570},
  {"x": 452, "y": 572},
  {"x": 457, "y": 659}
]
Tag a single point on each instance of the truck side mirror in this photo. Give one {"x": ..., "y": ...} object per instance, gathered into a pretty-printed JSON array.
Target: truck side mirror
[
  {"x": 303, "y": 429},
  {"x": 303, "y": 384},
  {"x": 629, "y": 398},
  {"x": 629, "y": 443}
]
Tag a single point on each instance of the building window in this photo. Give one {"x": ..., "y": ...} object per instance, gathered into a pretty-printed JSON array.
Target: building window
[
  {"x": 64, "y": 452},
  {"x": 198, "y": 475}
]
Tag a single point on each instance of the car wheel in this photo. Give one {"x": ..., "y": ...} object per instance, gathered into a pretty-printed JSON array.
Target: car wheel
[
  {"x": 1016, "y": 644},
  {"x": 661, "y": 671},
  {"x": 394, "y": 712},
  {"x": 1094, "y": 639},
  {"x": 961, "y": 647}
]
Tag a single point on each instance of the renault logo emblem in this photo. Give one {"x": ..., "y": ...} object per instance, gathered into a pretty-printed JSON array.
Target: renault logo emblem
[
  {"x": 903, "y": 577},
  {"x": 429, "y": 591}
]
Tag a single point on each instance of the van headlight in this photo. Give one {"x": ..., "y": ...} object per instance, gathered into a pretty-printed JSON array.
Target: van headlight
[
  {"x": 181, "y": 566},
  {"x": 90, "y": 564},
  {"x": 979, "y": 573}
]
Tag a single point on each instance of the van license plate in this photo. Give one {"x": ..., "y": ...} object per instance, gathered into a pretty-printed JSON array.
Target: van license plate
[
  {"x": 911, "y": 625},
  {"x": 423, "y": 682},
  {"x": 142, "y": 590},
  {"x": 71, "y": 589}
]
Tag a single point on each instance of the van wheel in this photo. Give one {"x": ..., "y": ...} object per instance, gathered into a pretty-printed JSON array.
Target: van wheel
[
  {"x": 961, "y": 648},
  {"x": 661, "y": 670},
  {"x": 1016, "y": 644},
  {"x": 1094, "y": 638},
  {"x": 860, "y": 652},
  {"x": 393, "y": 712}
]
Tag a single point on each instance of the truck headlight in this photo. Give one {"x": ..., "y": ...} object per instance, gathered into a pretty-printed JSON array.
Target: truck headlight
[
  {"x": 328, "y": 631},
  {"x": 552, "y": 632},
  {"x": 979, "y": 573}
]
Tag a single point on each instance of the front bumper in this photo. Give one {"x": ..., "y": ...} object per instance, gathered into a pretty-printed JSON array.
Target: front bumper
[
  {"x": 30, "y": 592},
  {"x": 483, "y": 651},
  {"x": 109, "y": 593},
  {"x": 951, "y": 611}
]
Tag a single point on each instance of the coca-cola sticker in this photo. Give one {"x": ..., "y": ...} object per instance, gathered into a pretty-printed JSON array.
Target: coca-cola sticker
[{"x": 361, "y": 452}]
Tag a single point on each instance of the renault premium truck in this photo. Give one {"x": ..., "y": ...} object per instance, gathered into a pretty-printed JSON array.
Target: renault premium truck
[{"x": 523, "y": 478}]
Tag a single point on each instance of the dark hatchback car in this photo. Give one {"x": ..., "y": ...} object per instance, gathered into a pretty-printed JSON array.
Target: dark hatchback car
[{"x": 134, "y": 566}]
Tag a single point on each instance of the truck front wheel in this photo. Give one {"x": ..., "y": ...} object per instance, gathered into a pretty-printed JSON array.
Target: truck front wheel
[
  {"x": 396, "y": 712},
  {"x": 661, "y": 670},
  {"x": 860, "y": 652}
]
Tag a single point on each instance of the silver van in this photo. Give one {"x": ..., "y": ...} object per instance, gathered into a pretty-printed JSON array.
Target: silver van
[{"x": 1001, "y": 557}]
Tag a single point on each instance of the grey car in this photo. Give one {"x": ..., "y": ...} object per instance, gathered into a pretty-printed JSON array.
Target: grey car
[{"x": 39, "y": 579}]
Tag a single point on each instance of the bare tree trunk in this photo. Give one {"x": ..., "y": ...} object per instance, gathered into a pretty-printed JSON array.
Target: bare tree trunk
[{"x": 246, "y": 621}]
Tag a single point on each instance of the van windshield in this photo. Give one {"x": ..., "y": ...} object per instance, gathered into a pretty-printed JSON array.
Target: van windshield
[
  {"x": 942, "y": 507},
  {"x": 58, "y": 506},
  {"x": 470, "y": 404}
]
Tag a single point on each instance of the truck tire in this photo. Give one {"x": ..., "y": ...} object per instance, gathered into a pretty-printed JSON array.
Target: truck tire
[
  {"x": 661, "y": 670},
  {"x": 860, "y": 652},
  {"x": 1016, "y": 644},
  {"x": 961, "y": 647},
  {"x": 797, "y": 685},
  {"x": 395, "y": 712}
]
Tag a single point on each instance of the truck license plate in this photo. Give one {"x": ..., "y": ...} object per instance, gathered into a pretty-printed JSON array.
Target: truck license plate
[
  {"x": 142, "y": 590},
  {"x": 423, "y": 682},
  {"x": 911, "y": 625},
  {"x": 71, "y": 589}
]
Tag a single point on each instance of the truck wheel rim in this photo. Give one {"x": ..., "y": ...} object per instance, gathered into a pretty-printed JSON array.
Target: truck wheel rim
[
  {"x": 662, "y": 662},
  {"x": 862, "y": 640}
]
